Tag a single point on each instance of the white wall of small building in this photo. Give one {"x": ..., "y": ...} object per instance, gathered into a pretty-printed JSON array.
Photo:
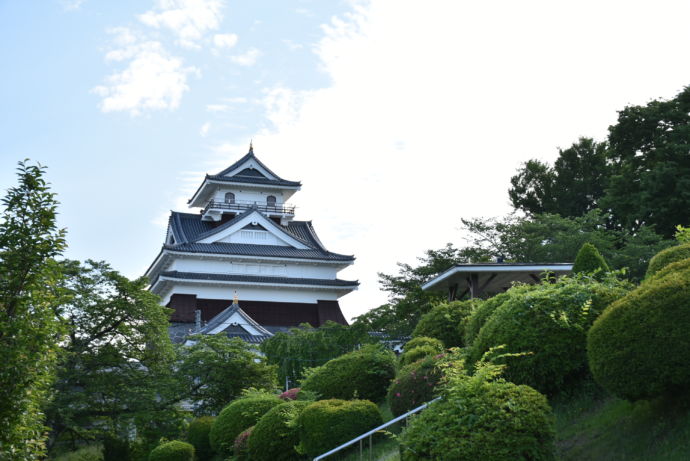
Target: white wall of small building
[
  {"x": 263, "y": 293},
  {"x": 206, "y": 266}
]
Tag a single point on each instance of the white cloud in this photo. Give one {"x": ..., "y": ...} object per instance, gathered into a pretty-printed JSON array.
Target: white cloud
[
  {"x": 203, "y": 131},
  {"x": 217, "y": 107},
  {"x": 71, "y": 5},
  {"x": 152, "y": 80},
  {"x": 225, "y": 40},
  {"x": 189, "y": 20},
  {"x": 248, "y": 58}
]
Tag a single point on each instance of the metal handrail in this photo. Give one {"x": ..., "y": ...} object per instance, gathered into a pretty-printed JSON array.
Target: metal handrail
[
  {"x": 375, "y": 430},
  {"x": 246, "y": 205}
]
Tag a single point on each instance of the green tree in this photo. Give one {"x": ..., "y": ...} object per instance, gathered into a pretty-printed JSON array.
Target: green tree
[
  {"x": 29, "y": 328},
  {"x": 216, "y": 369},
  {"x": 116, "y": 367},
  {"x": 589, "y": 260},
  {"x": 650, "y": 182},
  {"x": 571, "y": 188}
]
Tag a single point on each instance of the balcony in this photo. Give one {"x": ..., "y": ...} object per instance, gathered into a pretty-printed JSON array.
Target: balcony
[{"x": 214, "y": 209}]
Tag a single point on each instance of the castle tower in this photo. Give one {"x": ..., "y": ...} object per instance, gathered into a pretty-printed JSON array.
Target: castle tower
[{"x": 245, "y": 238}]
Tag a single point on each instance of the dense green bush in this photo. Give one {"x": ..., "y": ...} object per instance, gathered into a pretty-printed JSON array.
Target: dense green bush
[
  {"x": 414, "y": 385},
  {"x": 173, "y": 451},
  {"x": 116, "y": 448},
  {"x": 417, "y": 353},
  {"x": 424, "y": 341},
  {"x": 481, "y": 313},
  {"x": 236, "y": 417},
  {"x": 445, "y": 322},
  {"x": 275, "y": 436},
  {"x": 325, "y": 424},
  {"x": 666, "y": 257},
  {"x": 364, "y": 373},
  {"x": 550, "y": 322},
  {"x": 240, "y": 447},
  {"x": 198, "y": 436},
  {"x": 481, "y": 417},
  {"x": 589, "y": 260},
  {"x": 90, "y": 453},
  {"x": 678, "y": 266},
  {"x": 640, "y": 345}
]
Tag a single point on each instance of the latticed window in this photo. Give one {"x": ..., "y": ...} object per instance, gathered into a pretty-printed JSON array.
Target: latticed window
[
  {"x": 271, "y": 200},
  {"x": 229, "y": 197}
]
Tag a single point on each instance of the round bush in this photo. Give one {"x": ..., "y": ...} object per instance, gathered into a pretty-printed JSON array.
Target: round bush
[
  {"x": 589, "y": 260},
  {"x": 240, "y": 448},
  {"x": 481, "y": 313},
  {"x": 197, "y": 435},
  {"x": 497, "y": 421},
  {"x": 414, "y": 385},
  {"x": 640, "y": 345},
  {"x": 364, "y": 373},
  {"x": 666, "y": 257},
  {"x": 424, "y": 341},
  {"x": 236, "y": 417},
  {"x": 442, "y": 321},
  {"x": 678, "y": 266},
  {"x": 275, "y": 436},
  {"x": 549, "y": 322},
  {"x": 173, "y": 451},
  {"x": 417, "y": 353},
  {"x": 325, "y": 424}
]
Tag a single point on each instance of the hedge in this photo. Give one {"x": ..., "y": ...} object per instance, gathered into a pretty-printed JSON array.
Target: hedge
[
  {"x": 275, "y": 436},
  {"x": 364, "y": 373},
  {"x": 414, "y": 385},
  {"x": 666, "y": 257},
  {"x": 326, "y": 424},
  {"x": 640, "y": 345},
  {"x": 198, "y": 436},
  {"x": 481, "y": 313},
  {"x": 237, "y": 417},
  {"x": 589, "y": 260},
  {"x": 424, "y": 341},
  {"x": 240, "y": 447},
  {"x": 173, "y": 451},
  {"x": 444, "y": 321}
]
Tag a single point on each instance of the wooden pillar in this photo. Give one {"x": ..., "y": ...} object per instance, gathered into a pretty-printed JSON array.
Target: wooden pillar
[{"x": 452, "y": 292}]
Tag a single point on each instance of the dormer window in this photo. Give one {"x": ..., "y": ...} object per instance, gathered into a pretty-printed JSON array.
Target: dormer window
[
  {"x": 271, "y": 201},
  {"x": 229, "y": 197}
]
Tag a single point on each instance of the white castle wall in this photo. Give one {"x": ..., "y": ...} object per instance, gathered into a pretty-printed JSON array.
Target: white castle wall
[
  {"x": 206, "y": 266},
  {"x": 286, "y": 295}
]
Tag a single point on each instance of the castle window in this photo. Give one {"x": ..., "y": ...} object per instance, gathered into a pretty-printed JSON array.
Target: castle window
[
  {"x": 229, "y": 197},
  {"x": 271, "y": 200}
]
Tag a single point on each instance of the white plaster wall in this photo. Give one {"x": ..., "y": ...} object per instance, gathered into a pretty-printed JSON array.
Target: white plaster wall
[
  {"x": 254, "y": 237},
  {"x": 283, "y": 270},
  {"x": 252, "y": 293},
  {"x": 242, "y": 195}
]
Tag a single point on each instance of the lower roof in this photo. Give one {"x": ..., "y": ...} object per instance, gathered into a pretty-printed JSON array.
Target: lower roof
[{"x": 256, "y": 279}]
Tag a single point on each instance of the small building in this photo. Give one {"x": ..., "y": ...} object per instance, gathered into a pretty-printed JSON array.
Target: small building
[
  {"x": 244, "y": 238},
  {"x": 475, "y": 280}
]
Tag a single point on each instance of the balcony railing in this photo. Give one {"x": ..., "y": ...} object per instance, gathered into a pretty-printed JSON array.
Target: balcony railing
[{"x": 242, "y": 205}]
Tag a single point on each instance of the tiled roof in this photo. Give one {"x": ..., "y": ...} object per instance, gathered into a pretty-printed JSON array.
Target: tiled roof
[
  {"x": 250, "y": 155},
  {"x": 223, "y": 317},
  {"x": 267, "y": 251},
  {"x": 257, "y": 279}
]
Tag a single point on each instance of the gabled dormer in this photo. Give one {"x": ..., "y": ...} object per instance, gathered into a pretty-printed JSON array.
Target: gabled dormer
[{"x": 247, "y": 183}]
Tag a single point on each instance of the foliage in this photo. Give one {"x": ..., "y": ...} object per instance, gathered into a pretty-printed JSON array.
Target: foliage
[
  {"x": 639, "y": 346},
  {"x": 424, "y": 341},
  {"x": 116, "y": 448},
  {"x": 418, "y": 353},
  {"x": 682, "y": 234},
  {"x": 364, "y": 373},
  {"x": 549, "y": 321},
  {"x": 650, "y": 179},
  {"x": 481, "y": 417},
  {"x": 445, "y": 322},
  {"x": 668, "y": 256},
  {"x": 414, "y": 385},
  {"x": 571, "y": 188},
  {"x": 290, "y": 394},
  {"x": 481, "y": 313},
  {"x": 90, "y": 453},
  {"x": 117, "y": 360},
  {"x": 589, "y": 260},
  {"x": 276, "y": 435},
  {"x": 678, "y": 266},
  {"x": 240, "y": 447},
  {"x": 29, "y": 295},
  {"x": 325, "y": 424},
  {"x": 198, "y": 435},
  {"x": 237, "y": 417},
  {"x": 216, "y": 369},
  {"x": 307, "y": 347},
  {"x": 173, "y": 451}
]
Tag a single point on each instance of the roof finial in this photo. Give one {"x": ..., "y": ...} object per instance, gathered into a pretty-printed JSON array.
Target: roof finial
[
  {"x": 235, "y": 299},
  {"x": 251, "y": 146}
]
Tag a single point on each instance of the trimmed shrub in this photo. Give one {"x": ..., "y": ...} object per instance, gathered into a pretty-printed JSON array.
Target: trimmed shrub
[
  {"x": 666, "y": 257},
  {"x": 481, "y": 313},
  {"x": 550, "y": 322},
  {"x": 417, "y": 353},
  {"x": 414, "y": 385},
  {"x": 90, "y": 453},
  {"x": 275, "y": 436},
  {"x": 198, "y": 436},
  {"x": 424, "y": 341},
  {"x": 364, "y": 374},
  {"x": 290, "y": 394},
  {"x": 442, "y": 322},
  {"x": 325, "y": 424},
  {"x": 236, "y": 417},
  {"x": 497, "y": 421},
  {"x": 640, "y": 345},
  {"x": 240, "y": 448},
  {"x": 678, "y": 266},
  {"x": 173, "y": 451},
  {"x": 589, "y": 260}
]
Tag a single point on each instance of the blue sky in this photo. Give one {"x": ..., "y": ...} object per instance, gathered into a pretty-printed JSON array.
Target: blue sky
[{"x": 399, "y": 117}]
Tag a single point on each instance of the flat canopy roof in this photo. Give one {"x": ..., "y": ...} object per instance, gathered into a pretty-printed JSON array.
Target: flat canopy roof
[{"x": 475, "y": 279}]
